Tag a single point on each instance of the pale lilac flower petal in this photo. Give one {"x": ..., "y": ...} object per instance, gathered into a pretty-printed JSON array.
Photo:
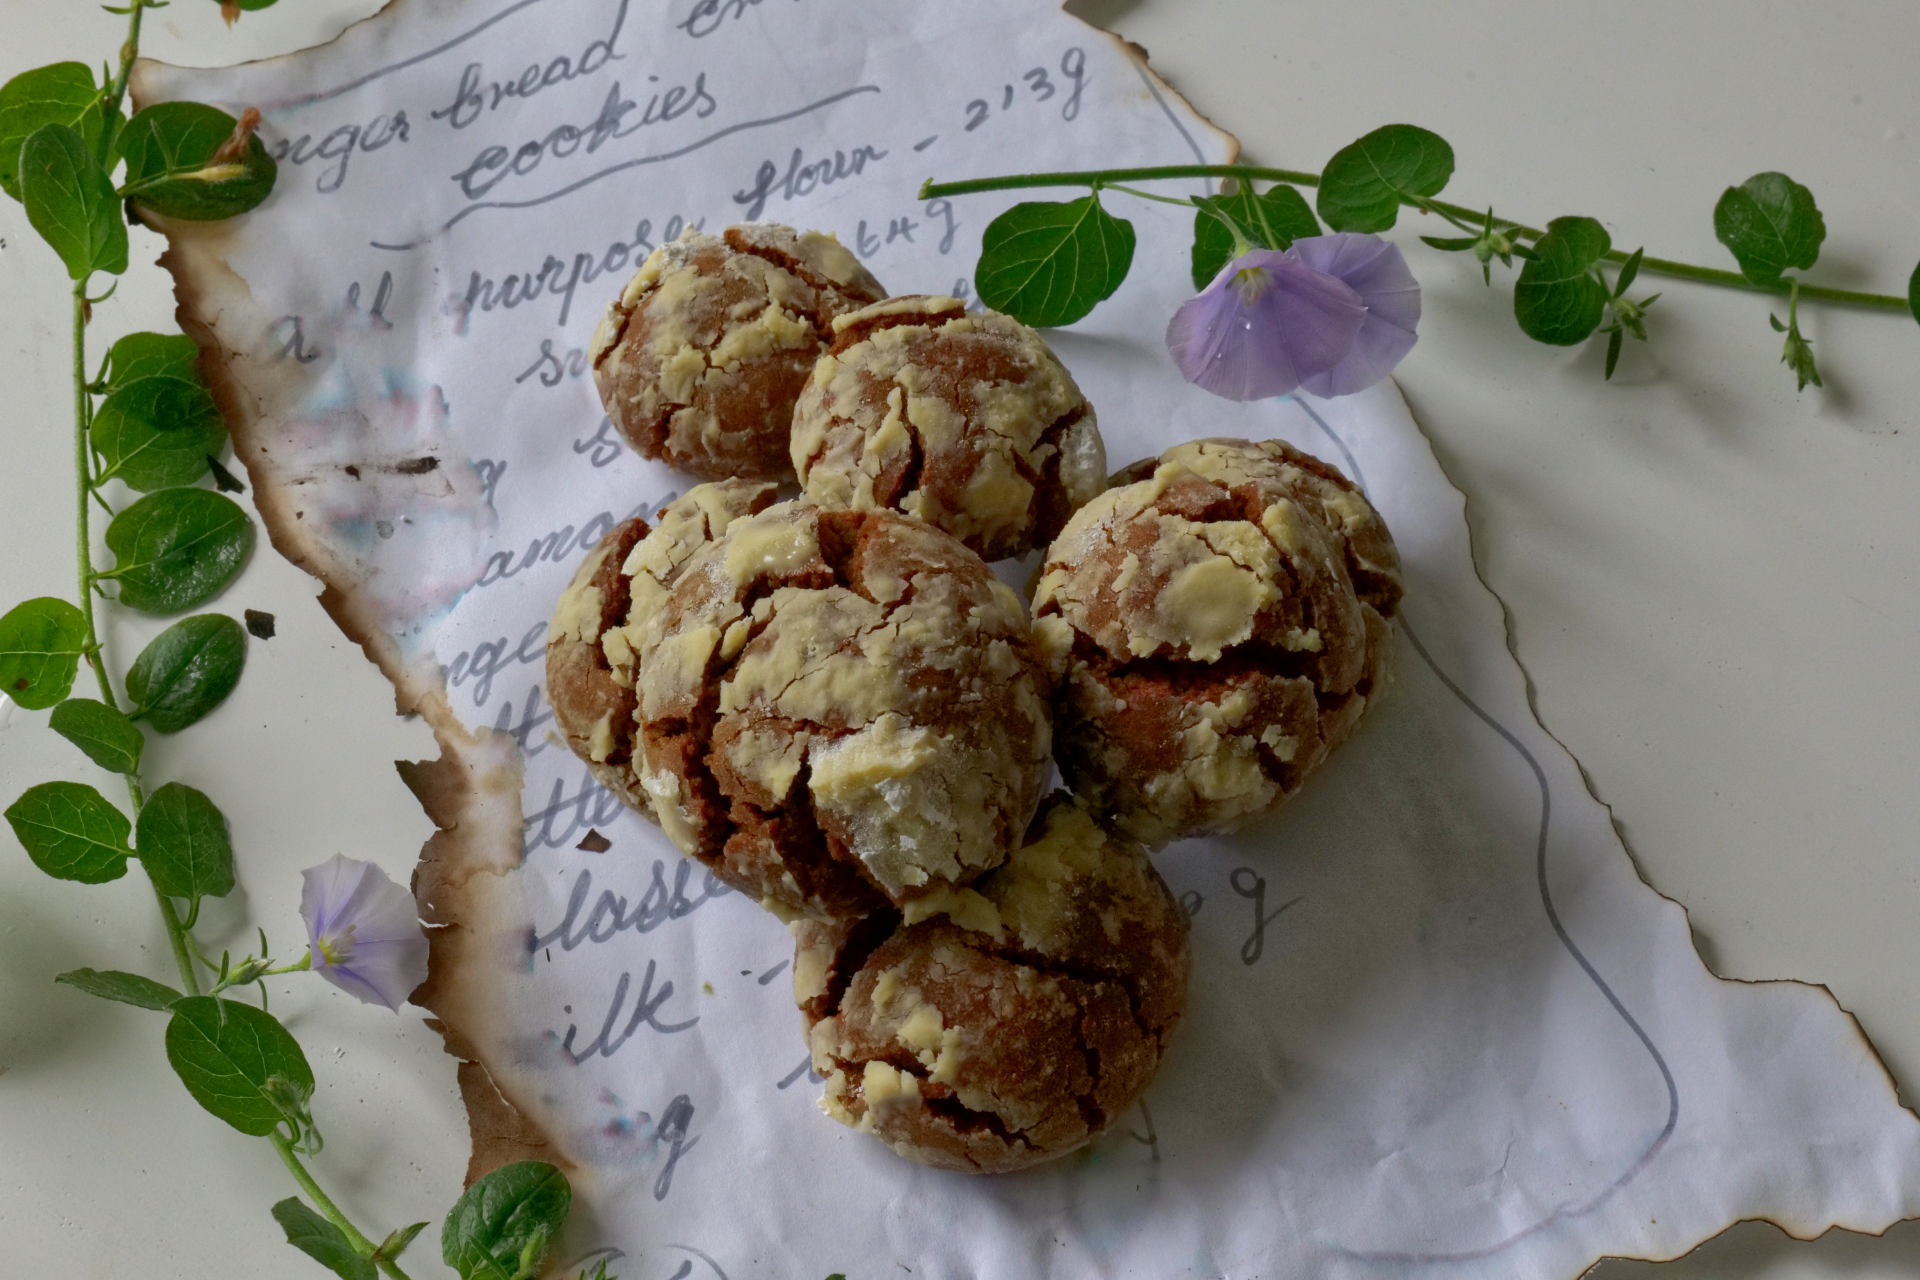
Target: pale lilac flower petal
[
  {"x": 1266, "y": 323},
  {"x": 364, "y": 930},
  {"x": 1376, "y": 271}
]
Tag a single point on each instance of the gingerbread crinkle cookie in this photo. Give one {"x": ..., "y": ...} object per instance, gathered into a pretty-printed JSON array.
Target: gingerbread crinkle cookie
[
  {"x": 840, "y": 710},
  {"x": 1004, "y": 1023},
  {"x": 700, "y": 358},
  {"x": 590, "y": 657},
  {"x": 1217, "y": 628},
  {"x": 964, "y": 420}
]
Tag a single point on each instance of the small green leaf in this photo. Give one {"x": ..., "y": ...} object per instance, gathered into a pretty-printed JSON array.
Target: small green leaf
[
  {"x": 239, "y": 1063},
  {"x": 1615, "y": 341},
  {"x": 1771, "y": 223},
  {"x": 57, "y": 94},
  {"x": 1450, "y": 244},
  {"x": 1557, "y": 299},
  {"x": 157, "y": 433},
  {"x": 1629, "y": 270},
  {"x": 1271, "y": 220},
  {"x": 41, "y": 644},
  {"x": 109, "y": 739},
  {"x": 397, "y": 1241},
  {"x": 139, "y": 356},
  {"x": 181, "y": 837},
  {"x": 70, "y": 201},
  {"x": 71, "y": 832},
  {"x": 167, "y": 402},
  {"x": 1913, "y": 293},
  {"x": 1048, "y": 264},
  {"x": 506, "y": 1220},
  {"x": 187, "y": 670},
  {"x": 127, "y": 988},
  {"x": 1362, "y": 186},
  {"x": 177, "y": 548},
  {"x": 320, "y": 1240},
  {"x": 176, "y": 166}
]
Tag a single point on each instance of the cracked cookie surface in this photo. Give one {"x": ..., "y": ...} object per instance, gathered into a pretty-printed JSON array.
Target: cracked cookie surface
[
  {"x": 624, "y": 579},
  {"x": 964, "y": 420},
  {"x": 1217, "y": 627},
  {"x": 700, "y": 358},
  {"x": 840, "y": 710},
  {"x": 1004, "y": 1023}
]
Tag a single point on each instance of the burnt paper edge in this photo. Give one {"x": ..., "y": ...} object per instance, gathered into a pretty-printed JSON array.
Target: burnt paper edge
[{"x": 464, "y": 881}]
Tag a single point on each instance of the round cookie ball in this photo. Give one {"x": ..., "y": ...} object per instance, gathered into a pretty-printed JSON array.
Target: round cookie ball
[
  {"x": 1008, "y": 1022},
  {"x": 839, "y": 710},
  {"x": 699, "y": 359},
  {"x": 963, "y": 420},
  {"x": 624, "y": 579},
  {"x": 1216, "y": 628}
]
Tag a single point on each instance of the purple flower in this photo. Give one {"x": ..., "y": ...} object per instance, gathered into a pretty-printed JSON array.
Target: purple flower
[
  {"x": 1330, "y": 315},
  {"x": 365, "y": 931}
]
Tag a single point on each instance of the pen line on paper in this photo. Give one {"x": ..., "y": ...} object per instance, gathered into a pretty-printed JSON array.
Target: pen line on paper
[
  {"x": 1553, "y": 918},
  {"x": 656, "y": 158},
  {"x": 418, "y": 58}
]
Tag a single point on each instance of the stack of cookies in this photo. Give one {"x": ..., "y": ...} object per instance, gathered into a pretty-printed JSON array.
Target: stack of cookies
[{"x": 832, "y": 702}]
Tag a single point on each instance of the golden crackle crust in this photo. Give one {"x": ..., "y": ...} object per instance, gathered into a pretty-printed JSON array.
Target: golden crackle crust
[
  {"x": 700, "y": 358},
  {"x": 623, "y": 580},
  {"x": 839, "y": 710},
  {"x": 1217, "y": 627},
  {"x": 1010, "y": 1022},
  {"x": 965, "y": 421}
]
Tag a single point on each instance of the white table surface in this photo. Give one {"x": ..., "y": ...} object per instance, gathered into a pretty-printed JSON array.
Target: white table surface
[{"x": 1711, "y": 579}]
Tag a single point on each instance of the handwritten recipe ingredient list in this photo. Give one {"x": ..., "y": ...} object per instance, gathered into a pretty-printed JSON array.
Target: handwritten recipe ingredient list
[{"x": 1435, "y": 1017}]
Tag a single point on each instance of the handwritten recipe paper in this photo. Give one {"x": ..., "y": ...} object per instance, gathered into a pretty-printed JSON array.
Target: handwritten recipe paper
[{"x": 1437, "y": 1025}]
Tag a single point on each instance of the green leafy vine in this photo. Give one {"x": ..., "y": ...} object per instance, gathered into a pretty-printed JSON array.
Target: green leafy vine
[
  {"x": 1049, "y": 263},
  {"x": 147, "y": 435}
]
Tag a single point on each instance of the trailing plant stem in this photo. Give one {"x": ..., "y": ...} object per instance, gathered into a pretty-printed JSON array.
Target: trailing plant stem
[
  {"x": 117, "y": 90},
  {"x": 177, "y": 936},
  {"x": 323, "y": 1202},
  {"x": 1109, "y": 178},
  {"x": 1138, "y": 194},
  {"x": 83, "y": 480},
  {"x": 87, "y": 483},
  {"x": 83, "y": 475}
]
